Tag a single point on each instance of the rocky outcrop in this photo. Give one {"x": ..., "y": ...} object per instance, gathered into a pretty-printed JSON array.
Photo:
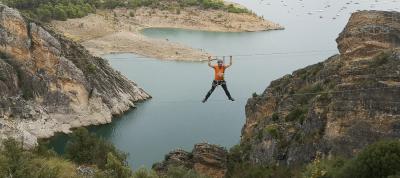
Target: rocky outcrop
[
  {"x": 49, "y": 84},
  {"x": 336, "y": 107},
  {"x": 205, "y": 159},
  {"x": 369, "y": 32}
]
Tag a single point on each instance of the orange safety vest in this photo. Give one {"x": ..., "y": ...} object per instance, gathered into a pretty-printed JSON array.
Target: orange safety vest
[{"x": 219, "y": 72}]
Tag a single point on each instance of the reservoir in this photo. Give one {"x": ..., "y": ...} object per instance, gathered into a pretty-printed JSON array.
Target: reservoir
[{"x": 176, "y": 118}]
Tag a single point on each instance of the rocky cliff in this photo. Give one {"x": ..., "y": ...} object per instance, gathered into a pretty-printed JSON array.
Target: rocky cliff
[
  {"x": 49, "y": 84},
  {"x": 335, "y": 107},
  {"x": 205, "y": 159}
]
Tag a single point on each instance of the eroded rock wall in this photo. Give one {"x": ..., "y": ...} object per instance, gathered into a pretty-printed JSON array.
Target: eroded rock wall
[
  {"x": 50, "y": 84},
  {"x": 336, "y": 107},
  {"x": 206, "y": 159}
]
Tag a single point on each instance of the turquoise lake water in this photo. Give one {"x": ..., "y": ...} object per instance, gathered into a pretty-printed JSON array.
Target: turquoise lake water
[{"x": 176, "y": 118}]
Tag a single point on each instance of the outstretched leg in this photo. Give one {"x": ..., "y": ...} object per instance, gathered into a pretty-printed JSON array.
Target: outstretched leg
[
  {"x": 214, "y": 85},
  {"x": 223, "y": 84}
]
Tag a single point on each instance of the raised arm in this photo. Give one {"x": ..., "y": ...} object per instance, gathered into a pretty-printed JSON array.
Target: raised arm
[
  {"x": 209, "y": 62},
  {"x": 230, "y": 62}
]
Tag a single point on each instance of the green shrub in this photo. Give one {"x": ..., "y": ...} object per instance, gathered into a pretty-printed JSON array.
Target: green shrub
[
  {"x": 59, "y": 13},
  {"x": 298, "y": 114},
  {"x": 306, "y": 93},
  {"x": 44, "y": 13},
  {"x": 273, "y": 131},
  {"x": 381, "y": 59},
  {"x": 86, "y": 148},
  {"x": 55, "y": 167},
  {"x": 134, "y": 3},
  {"x": 145, "y": 173},
  {"x": 275, "y": 117},
  {"x": 88, "y": 8},
  {"x": 235, "y": 156},
  {"x": 395, "y": 176},
  {"x": 139, "y": 3},
  {"x": 116, "y": 168},
  {"x": 91, "y": 68},
  {"x": 20, "y": 163},
  {"x": 247, "y": 170},
  {"x": 381, "y": 159},
  {"x": 189, "y": 2},
  {"x": 42, "y": 149},
  {"x": 238, "y": 154},
  {"x": 213, "y": 4},
  {"x": 231, "y": 8},
  {"x": 46, "y": 10},
  {"x": 111, "y": 4},
  {"x": 323, "y": 168},
  {"x": 181, "y": 172},
  {"x": 132, "y": 13}
]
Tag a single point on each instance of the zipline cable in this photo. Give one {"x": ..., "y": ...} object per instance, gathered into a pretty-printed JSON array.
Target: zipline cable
[
  {"x": 300, "y": 94},
  {"x": 134, "y": 58},
  {"x": 245, "y": 98}
]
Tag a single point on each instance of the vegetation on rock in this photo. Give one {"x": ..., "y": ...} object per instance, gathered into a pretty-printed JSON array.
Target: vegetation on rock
[
  {"x": 100, "y": 158},
  {"x": 46, "y": 10},
  {"x": 84, "y": 149},
  {"x": 19, "y": 163},
  {"x": 87, "y": 148},
  {"x": 381, "y": 159}
]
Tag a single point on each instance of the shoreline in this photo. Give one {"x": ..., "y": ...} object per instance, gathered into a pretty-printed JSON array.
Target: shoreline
[{"x": 100, "y": 32}]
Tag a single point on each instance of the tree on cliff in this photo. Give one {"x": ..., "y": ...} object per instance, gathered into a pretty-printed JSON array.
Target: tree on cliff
[
  {"x": 381, "y": 159},
  {"x": 86, "y": 148},
  {"x": 106, "y": 161},
  {"x": 19, "y": 163}
]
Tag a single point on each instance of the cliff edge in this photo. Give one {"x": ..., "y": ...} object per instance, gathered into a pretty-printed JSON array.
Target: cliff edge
[
  {"x": 336, "y": 107},
  {"x": 206, "y": 159},
  {"x": 50, "y": 84}
]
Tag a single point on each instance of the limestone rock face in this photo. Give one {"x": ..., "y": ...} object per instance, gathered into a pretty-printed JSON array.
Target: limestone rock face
[
  {"x": 368, "y": 32},
  {"x": 336, "y": 107},
  {"x": 205, "y": 159},
  {"x": 50, "y": 84}
]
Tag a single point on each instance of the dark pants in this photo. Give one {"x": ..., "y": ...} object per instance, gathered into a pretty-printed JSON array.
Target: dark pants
[{"x": 215, "y": 83}]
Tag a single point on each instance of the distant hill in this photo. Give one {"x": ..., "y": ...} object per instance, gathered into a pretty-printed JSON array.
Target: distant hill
[{"x": 46, "y": 10}]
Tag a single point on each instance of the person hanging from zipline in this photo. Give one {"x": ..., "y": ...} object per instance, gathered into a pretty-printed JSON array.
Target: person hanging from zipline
[{"x": 219, "y": 79}]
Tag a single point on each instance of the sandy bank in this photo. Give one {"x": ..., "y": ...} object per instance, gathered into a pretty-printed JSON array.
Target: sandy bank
[
  {"x": 130, "y": 42},
  {"x": 119, "y": 30}
]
